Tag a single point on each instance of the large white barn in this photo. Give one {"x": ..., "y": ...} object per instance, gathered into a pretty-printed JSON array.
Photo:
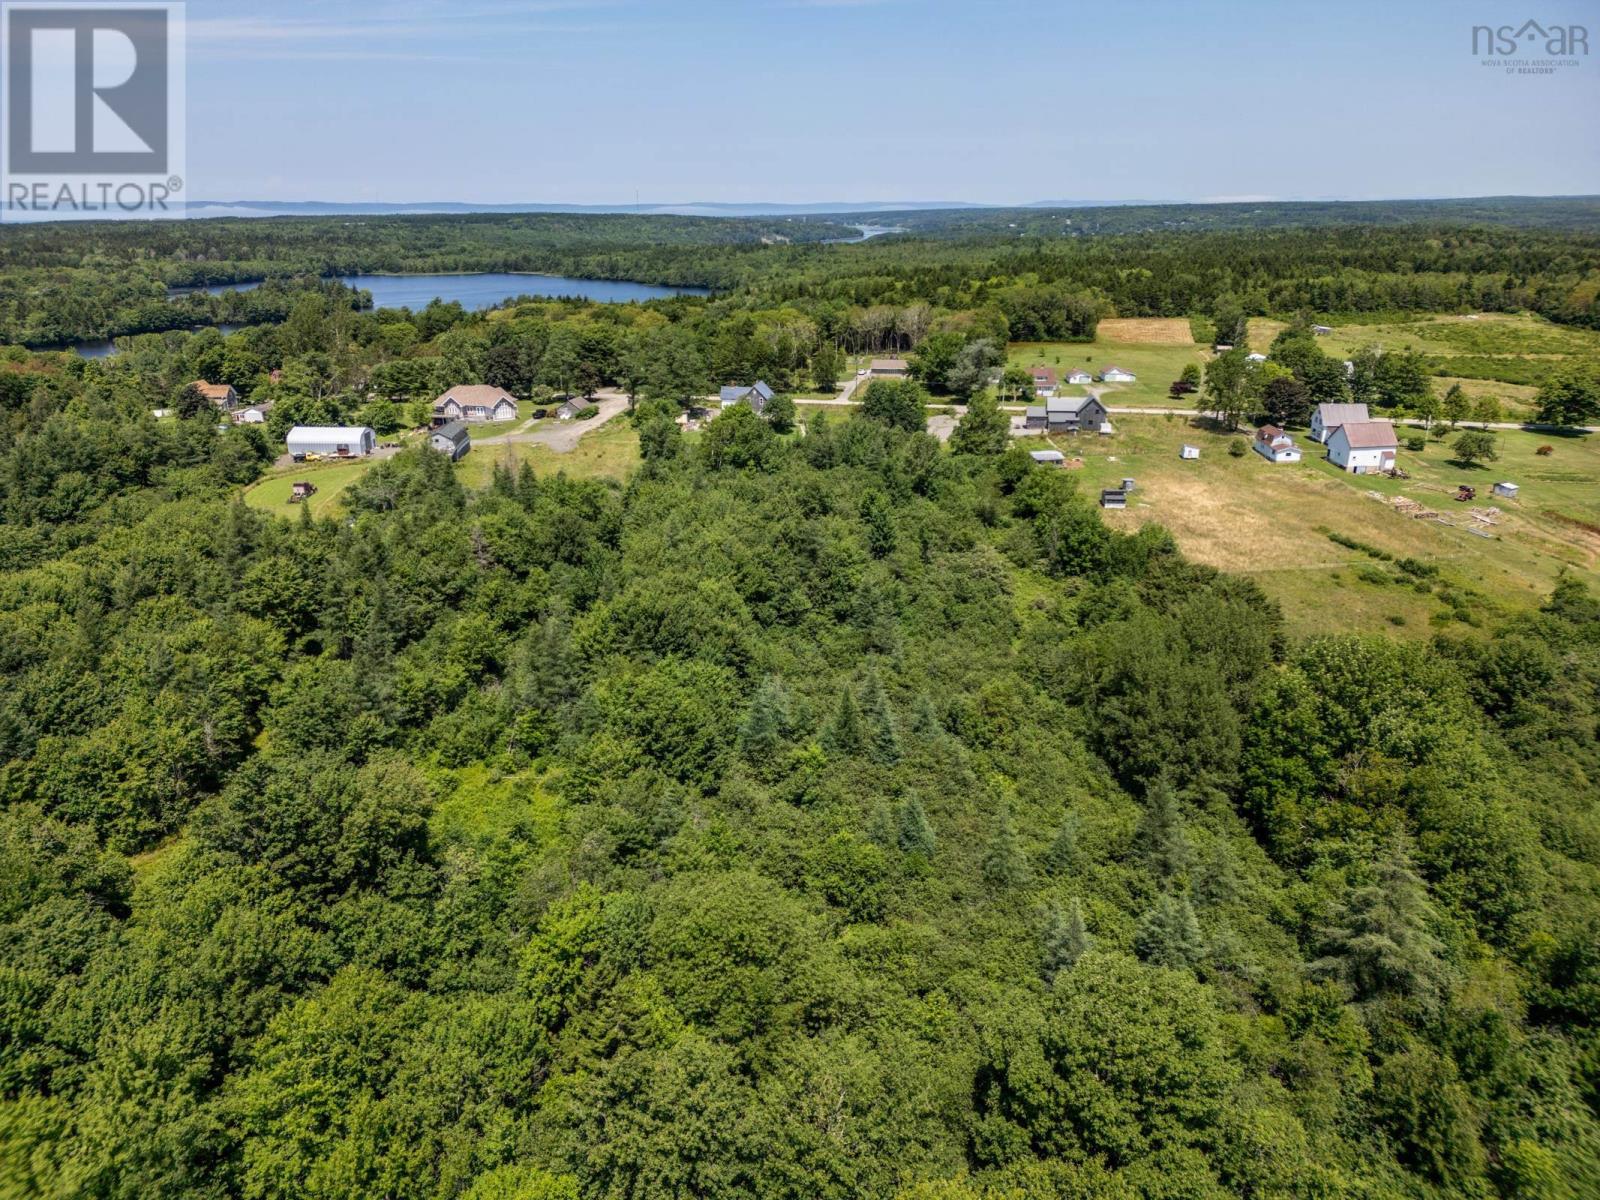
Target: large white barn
[{"x": 1364, "y": 447}]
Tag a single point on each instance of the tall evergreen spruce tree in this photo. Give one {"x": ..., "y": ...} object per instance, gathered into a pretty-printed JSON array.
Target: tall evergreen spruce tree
[
  {"x": 925, "y": 721},
  {"x": 1004, "y": 862},
  {"x": 1065, "y": 940},
  {"x": 844, "y": 735},
  {"x": 1380, "y": 943},
  {"x": 883, "y": 740},
  {"x": 1163, "y": 837},
  {"x": 1169, "y": 935},
  {"x": 762, "y": 732},
  {"x": 915, "y": 834},
  {"x": 1062, "y": 856}
]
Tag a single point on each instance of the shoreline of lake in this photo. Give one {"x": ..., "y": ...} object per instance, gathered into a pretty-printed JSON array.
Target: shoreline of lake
[{"x": 476, "y": 291}]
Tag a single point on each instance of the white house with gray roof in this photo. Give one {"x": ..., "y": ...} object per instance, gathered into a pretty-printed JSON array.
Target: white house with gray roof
[{"x": 1328, "y": 417}]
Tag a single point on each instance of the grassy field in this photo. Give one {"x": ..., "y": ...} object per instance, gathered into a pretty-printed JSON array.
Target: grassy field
[
  {"x": 1503, "y": 355},
  {"x": 1154, "y": 350},
  {"x": 272, "y": 493},
  {"x": 1271, "y": 522},
  {"x": 612, "y": 450}
]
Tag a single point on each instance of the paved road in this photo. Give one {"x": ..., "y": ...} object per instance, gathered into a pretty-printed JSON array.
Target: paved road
[{"x": 562, "y": 436}]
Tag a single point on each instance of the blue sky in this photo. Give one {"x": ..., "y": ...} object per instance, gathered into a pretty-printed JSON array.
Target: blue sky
[{"x": 590, "y": 101}]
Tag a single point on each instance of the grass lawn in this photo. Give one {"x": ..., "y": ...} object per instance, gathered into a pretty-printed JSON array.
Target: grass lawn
[
  {"x": 1271, "y": 521},
  {"x": 496, "y": 428},
  {"x": 272, "y": 493},
  {"x": 1127, "y": 344},
  {"x": 610, "y": 451}
]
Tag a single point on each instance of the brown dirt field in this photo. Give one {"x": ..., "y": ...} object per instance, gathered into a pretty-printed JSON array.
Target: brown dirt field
[
  {"x": 1147, "y": 331},
  {"x": 1215, "y": 528}
]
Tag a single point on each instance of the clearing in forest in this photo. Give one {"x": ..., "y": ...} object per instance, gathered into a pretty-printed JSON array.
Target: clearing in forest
[
  {"x": 1271, "y": 521},
  {"x": 1146, "y": 331}
]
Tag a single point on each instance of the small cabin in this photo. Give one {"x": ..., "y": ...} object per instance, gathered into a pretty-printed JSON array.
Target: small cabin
[
  {"x": 1048, "y": 458},
  {"x": 1508, "y": 490},
  {"x": 301, "y": 490},
  {"x": 1187, "y": 451},
  {"x": 1274, "y": 445},
  {"x": 1113, "y": 498}
]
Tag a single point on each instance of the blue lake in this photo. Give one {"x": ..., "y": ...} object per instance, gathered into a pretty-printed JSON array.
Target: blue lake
[
  {"x": 485, "y": 290},
  {"x": 473, "y": 291}
]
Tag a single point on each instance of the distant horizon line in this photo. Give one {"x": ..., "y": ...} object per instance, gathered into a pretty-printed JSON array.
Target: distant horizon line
[{"x": 823, "y": 207}]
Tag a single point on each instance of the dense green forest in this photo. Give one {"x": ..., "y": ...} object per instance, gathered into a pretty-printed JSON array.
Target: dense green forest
[
  {"x": 1570, "y": 213},
  {"x": 820, "y": 811},
  {"x": 814, "y": 814},
  {"x": 67, "y": 282}
]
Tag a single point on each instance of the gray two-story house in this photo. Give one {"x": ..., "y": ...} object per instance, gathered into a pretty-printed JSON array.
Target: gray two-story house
[{"x": 1074, "y": 414}]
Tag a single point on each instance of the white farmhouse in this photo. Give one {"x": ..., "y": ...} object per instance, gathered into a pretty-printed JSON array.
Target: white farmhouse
[
  {"x": 1329, "y": 417},
  {"x": 1274, "y": 445},
  {"x": 1363, "y": 447}
]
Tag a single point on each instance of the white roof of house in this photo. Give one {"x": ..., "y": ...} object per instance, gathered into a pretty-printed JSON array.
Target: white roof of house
[
  {"x": 1048, "y": 456},
  {"x": 330, "y": 432}
]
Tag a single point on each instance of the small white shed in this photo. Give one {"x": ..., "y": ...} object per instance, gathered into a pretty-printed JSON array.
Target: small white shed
[
  {"x": 1189, "y": 451},
  {"x": 1508, "y": 490},
  {"x": 1049, "y": 458}
]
